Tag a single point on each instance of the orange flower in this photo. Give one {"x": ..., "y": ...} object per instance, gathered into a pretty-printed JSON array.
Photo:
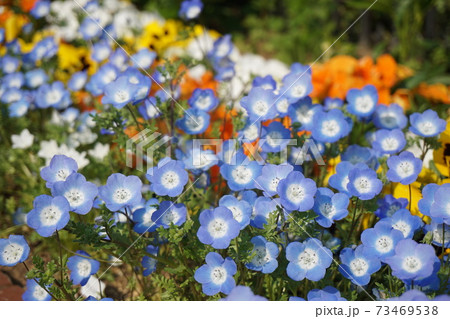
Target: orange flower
[{"x": 436, "y": 92}]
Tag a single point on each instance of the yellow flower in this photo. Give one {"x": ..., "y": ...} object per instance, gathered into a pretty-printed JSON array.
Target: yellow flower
[
  {"x": 441, "y": 156},
  {"x": 13, "y": 26}
]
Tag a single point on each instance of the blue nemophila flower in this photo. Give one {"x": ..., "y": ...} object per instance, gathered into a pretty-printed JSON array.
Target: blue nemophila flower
[
  {"x": 270, "y": 176},
  {"x": 148, "y": 109},
  {"x": 168, "y": 178},
  {"x": 194, "y": 121},
  {"x": 119, "y": 58},
  {"x": 403, "y": 221},
  {"x": 332, "y": 103},
  {"x": 307, "y": 260},
  {"x": 169, "y": 213},
  {"x": 49, "y": 214},
  {"x": 52, "y": 95},
  {"x": 90, "y": 28},
  {"x": 91, "y": 298},
  {"x": 13, "y": 80},
  {"x": 203, "y": 99},
  {"x": 330, "y": 206},
  {"x": 79, "y": 193},
  {"x": 381, "y": 239},
  {"x": 266, "y": 253},
  {"x": 250, "y": 132},
  {"x": 404, "y": 168},
  {"x": 222, "y": 47},
  {"x": 267, "y": 82},
  {"x": 293, "y": 298},
  {"x": 357, "y": 265},
  {"x": 363, "y": 182},
  {"x": 242, "y": 293},
  {"x": 426, "y": 124},
  {"x": 362, "y": 102},
  {"x": 119, "y": 92},
  {"x": 121, "y": 191},
  {"x": 358, "y": 154},
  {"x": 149, "y": 263},
  {"x": 140, "y": 81},
  {"x": 412, "y": 260},
  {"x": 296, "y": 86},
  {"x": 340, "y": 180},
  {"x": 19, "y": 108},
  {"x": 259, "y": 104},
  {"x": 44, "y": 49},
  {"x": 427, "y": 198},
  {"x": 241, "y": 210},
  {"x": 262, "y": 207},
  {"x": 13, "y": 250},
  {"x": 35, "y": 78},
  {"x": 143, "y": 217},
  {"x": 81, "y": 268},
  {"x": 329, "y": 127},
  {"x": 389, "y": 117},
  {"x": 437, "y": 230},
  {"x": 106, "y": 74},
  {"x": 9, "y": 64},
  {"x": 282, "y": 105},
  {"x": 216, "y": 275},
  {"x": 190, "y": 9},
  {"x": 389, "y": 141},
  {"x": 326, "y": 294},
  {"x": 100, "y": 51},
  {"x": 11, "y": 95},
  {"x": 417, "y": 295},
  {"x": 34, "y": 292},
  {"x": 77, "y": 81},
  {"x": 144, "y": 58},
  {"x": 302, "y": 112},
  {"x": 440, "y": 209},
  {"x": 241, "y": 174},
  {"x": 297, "y": 192},
  {"x": 217, "y": 227},
  {"x": 40, "y": 9},
  {"x": 389, "y": 205},
  {"x": 274, "y": 137}
]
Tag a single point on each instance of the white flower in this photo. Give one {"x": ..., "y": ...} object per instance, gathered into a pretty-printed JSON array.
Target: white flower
[
  {"x": 94, "y": 287},
  {"x": 23, "y": 140},
  {"x": 48, "y": 149},
  {"x": 99, "y": 151}
]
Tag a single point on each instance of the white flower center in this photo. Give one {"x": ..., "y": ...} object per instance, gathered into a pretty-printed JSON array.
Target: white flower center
[
  {"x": 389, "y": 144},
  {"x": 170, "y": 217},
  {"x": 344, "y": 183},
  {"x": 384, "y": 244},
  {"x": 274, "y": 138},
  {"x": 218, "y": 228},
  {"x": 170, "y": 179},
  {"x": 362, "y": 185},
  {"x": 405, "y": 169},
  {"x": 39, "y": 293},
  {"x": 389, "y": 120},
  {"x": 242, "y": 174},
  {"x": 147, "y": 217},
  {"x": 261, "y": 257},
  {"x": 274, "y": 184},
  {"x": 203, "y": 102},
  {"x": 84, "y": 268},
  {"x": 218, "y": 275},
  {"x": 426, "y": 128},
  {"x": 282, "y": 106},
  {"x": 121, "y": 195},
  {"x": 260, "y": 107},
  {"x": 304, "y": 114},
  {"x": 295, "y": 193},
  {"x": 62, "y": 174},
  {"x": 330, "y": 128},
  {"x": 364, "y": 104},
  {"x": 12, "y": 253},
  {"x": 50, "y": 215},
  {"x": 251, "y": 132},
  {"x": 308, "y": 259},
  {"x": 75, "y": 197},
  {"x": 121, "y": 96},
  {"x": 402, "y": 226},
  {"x": 411, "y": 264},
  {"x": 193, "y": 12},
  {"x": 359, "y": 267},
  {"x": 298, "y": 91},
  {"x": 53, "y": 96},
  {"x": 328, "y": 210},
  {"x": 194, "y": 123},
  {"x": 237, "y": 213}
]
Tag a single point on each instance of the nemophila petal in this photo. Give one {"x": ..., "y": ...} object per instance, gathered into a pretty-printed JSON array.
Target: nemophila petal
[
  {"x": 169, "y": 213},
  {"x": 105, "y": 75},
  {"x": 52, "y": 95},
  {"x": 242, "y": 293},
  {"x": 403, "y": 221},
  {"x": 388, "y": 205},
  {"x": 141, "y": 82},
  {"x": 250, "y": 132},
  {"x": 329, "y": 127},
  {"x": 194, "y": 121},
  {"x": 49, "y": 214},
  {"x": 190, "y": 9},
  {"x": 34, "y": 292},
  {"x": 148, "y": 109},
  {"x": 81, "y": 268},
  {"x": 427, "y": 198},
  {"x": 274, "y": 137},
  {"x": 437, "y": 230},
  {"x": 241, "y": 210},
  {"x": 440, "y": 208},
  {"x": 13, "y": 250},
  {"x": 357, "y": 154},
  {"x": 143, "y": 217},
  {"x": 363, "y": 182},
  {"x": 389, "y": 141},
  {"x": 90, "y": 28},
  {"x": 389, "y": 117},
  {"x": 326, "y": 294},
  {"x": 362, "y": 102},
  {"x": 262, "y": 207},
  {"x": 79, "y": 193},
  {"x": 358, "y": 265},
  {"x": 217, "y": 227},
  {"x": 302, "y": 112},
  {"x": 144, "y": 58},
  {"x": 307, "y": 260},
  {"x": 121, "y": 191},
  {"x": 297, "y": 192},
  {"x": 149, "y": 263},
  {"x": 203, "y": 99},
  {"x": 296, "y": 86},
  {"x": 217, "y": 275},
  {"x": 270, "y": 176},
  {"x": 35, "y": 78},
  {"x": 265, "y": 255},
  {"x": 267, "y": 82},
  {"x": 259, "y": 104},
  {"x": 404, "y": 168},
  {"x": 412, "y": 260},
  {"x": 168, "y": 179},
  {"x": 119, "y": 92},
  {"x": 381, "y": 239},
  {"x": 242, "y": 173},
  {"x": 427, "y": 124},
  {"x": 330, "y": 207},
  {"x": 282, "y": 105},
  {"x": 340, "y": 179},
  {"x": 332, "y": 103}
]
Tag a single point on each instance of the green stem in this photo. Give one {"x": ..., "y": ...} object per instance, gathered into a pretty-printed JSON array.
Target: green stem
[{"x": 134, "y": 117}]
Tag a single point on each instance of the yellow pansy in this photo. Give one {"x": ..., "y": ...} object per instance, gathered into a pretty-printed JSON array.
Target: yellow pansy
[{"x": 441, "y": 156}]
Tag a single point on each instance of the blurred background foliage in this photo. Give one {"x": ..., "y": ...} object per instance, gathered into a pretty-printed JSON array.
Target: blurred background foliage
[{"x": 415, "y": 32}]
